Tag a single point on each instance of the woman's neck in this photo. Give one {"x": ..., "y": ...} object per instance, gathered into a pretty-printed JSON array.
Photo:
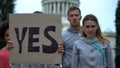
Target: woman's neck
[{"x": 91, "y": 37}]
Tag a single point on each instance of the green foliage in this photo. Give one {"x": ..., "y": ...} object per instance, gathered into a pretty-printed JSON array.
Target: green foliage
[
  {"x": 6, "y": 7},
  {"x": 118, "y": 29},
  {"x": 117, "y": 58}
]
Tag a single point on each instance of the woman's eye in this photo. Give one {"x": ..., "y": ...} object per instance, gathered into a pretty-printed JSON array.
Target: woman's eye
[{"x": 93, "y": 26}]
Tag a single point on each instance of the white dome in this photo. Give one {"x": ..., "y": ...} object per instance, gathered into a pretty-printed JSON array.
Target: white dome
[{"x": 59, "y": 7}]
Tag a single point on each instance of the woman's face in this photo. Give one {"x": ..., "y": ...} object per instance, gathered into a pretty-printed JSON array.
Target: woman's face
[
  {"x": 6, "y": 36},
  {"x": 90, "y": 27}
]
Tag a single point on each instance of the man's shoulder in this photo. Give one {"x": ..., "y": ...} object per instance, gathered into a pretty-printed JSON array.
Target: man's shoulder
[{"x": 65, "y": 33}]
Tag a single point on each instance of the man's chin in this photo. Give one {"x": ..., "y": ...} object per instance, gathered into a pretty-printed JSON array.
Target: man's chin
[{"x": 75, "y": 25}]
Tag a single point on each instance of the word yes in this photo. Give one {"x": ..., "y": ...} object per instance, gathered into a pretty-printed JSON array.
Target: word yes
[{"x": 35, "y": 30}]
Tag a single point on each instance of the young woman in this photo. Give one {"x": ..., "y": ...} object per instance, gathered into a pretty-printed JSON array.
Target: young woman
[
  {"x": 93, "y": 49},
  {"x": 5, "y": 45}
]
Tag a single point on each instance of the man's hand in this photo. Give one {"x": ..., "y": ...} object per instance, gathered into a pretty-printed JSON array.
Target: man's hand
[{"x": 60, "y": 48}]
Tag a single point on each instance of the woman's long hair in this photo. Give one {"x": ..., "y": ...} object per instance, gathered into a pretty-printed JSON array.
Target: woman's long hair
[
  {"x": 4, "y": 26},
  {"x": 101, "y": 37}
]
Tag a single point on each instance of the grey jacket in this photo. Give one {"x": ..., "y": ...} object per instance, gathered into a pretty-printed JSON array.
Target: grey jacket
[
  {"x": 86, "y": 56},
  {"x": 68, "y": 38}
]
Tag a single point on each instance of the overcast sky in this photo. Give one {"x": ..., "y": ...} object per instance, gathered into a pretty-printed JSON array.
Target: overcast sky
[{"x": 103, "y": 9}]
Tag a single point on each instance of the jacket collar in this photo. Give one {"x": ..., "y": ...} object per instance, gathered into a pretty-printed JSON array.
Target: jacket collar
[
  {"x": 90, "y": 40},
  {"x": 72, "y": 30}
]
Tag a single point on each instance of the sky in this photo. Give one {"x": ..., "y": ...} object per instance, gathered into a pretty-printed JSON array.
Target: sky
[{"x": 103, "y": 9}]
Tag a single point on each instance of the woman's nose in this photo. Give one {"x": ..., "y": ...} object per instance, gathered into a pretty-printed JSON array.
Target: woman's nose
[
  {"x": 8, "y": 38},
  {"x": 90, "y": 28}
]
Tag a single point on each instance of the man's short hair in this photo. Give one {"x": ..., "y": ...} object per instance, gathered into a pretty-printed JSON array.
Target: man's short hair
[{"x": 73, "y": 8}]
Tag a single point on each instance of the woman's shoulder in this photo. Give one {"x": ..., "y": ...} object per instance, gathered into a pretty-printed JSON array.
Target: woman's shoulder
[
  {"x": 107, "y": 42},
  {"x": 3, "y": 50}
]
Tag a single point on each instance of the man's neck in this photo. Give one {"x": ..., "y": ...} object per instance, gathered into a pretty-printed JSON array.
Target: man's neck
[{"x": 76, "y": 28}]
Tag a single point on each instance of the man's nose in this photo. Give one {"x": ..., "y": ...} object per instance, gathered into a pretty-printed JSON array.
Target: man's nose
[{"x": 74, "y": 16}]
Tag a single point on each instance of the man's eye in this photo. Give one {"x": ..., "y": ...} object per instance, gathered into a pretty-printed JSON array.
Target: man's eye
[
  {"x": 76, "y": 15},
  {"x": 71, "y": 15},
  {"x": 87, "y": 26}
]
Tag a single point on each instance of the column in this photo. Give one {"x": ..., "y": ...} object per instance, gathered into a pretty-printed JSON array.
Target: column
[
  {"x": 63, "y": 6},
  {"x": 58, "y": 7},
  {"x": 74, "y": 4},
  {"x": 47, "y": 8},
  {"x": 70, "y": 4},
  {"x": 50, "y": 7},
  {"x": 67, "y": 6},
  {"x": 43, "y": 8},
  {"x": 54, "y": 7}
]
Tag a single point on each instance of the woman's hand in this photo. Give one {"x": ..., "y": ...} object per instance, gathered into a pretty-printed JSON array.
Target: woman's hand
[{"x": 9, "y": 45}]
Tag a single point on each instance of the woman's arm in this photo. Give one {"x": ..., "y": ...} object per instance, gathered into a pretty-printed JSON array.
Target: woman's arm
[{"x": 109, "y": 57}]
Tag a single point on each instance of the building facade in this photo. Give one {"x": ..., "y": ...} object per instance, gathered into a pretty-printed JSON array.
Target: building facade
[
  {"x": 59, "y": 7},
  {"x": 111, "y": 36}
]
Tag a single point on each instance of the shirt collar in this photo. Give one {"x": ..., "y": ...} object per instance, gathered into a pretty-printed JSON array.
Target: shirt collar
[
  {"x": 89, "y": 40},
  {"x": 72, "y": 30}
]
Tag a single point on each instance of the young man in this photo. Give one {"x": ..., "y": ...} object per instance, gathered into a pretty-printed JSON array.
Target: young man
[{"x": 72, "y": 34}]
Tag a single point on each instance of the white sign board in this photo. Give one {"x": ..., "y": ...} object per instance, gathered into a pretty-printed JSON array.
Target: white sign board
[{"x": 35, "y": 38}]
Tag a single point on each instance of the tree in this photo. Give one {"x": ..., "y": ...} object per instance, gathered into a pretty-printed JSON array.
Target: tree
[
  {"x": 6, "y": 7},
  {"x": 117, "y": 58}
]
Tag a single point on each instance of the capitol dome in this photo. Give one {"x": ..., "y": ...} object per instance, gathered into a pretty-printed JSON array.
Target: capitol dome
[{"x": 59, "y": 7}]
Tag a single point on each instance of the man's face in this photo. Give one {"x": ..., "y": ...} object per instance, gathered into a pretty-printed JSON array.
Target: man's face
[{"x": 74, "y": 18}]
